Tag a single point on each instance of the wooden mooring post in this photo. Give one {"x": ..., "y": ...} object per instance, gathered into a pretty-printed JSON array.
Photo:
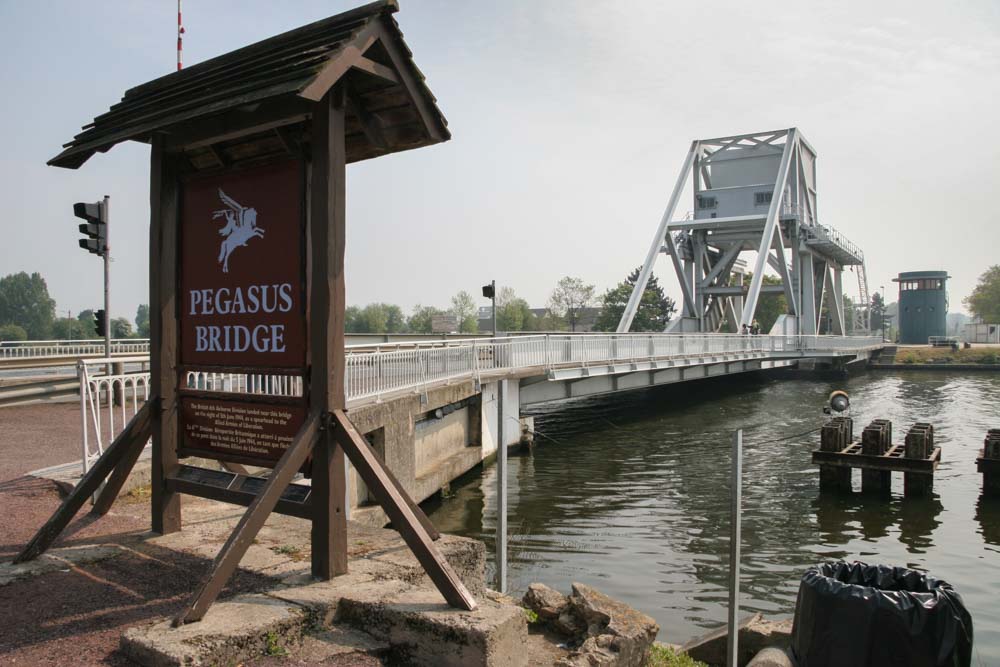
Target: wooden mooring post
[
  {"x": 835, "y": 436},
  {"x": 988, "y": 463},
  {"x": 919, "y": 444},
  {"x": 875, "y": 455},
  {"x": 876, "y": 440}
]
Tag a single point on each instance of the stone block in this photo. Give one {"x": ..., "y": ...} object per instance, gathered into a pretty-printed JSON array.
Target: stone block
[
  {"x": 423, "y": 630},
  {"x": 231, "y": 632},
  {"x": 547, "y": 602},
  {"x": 614, "y": 626}
]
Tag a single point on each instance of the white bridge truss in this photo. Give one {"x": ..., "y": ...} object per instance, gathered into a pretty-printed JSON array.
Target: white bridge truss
[{"x": 753, "y": 193}]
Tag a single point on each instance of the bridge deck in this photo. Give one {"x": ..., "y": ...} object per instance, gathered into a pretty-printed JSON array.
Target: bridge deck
[{"x": 377, "y": 372}]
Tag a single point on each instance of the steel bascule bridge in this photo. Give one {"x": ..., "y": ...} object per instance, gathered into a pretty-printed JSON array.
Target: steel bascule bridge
[{"x": 754, "y": 193}]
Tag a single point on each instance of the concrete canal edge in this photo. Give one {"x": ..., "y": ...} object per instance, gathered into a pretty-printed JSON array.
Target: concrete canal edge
[{"x": 386, "y": 596}]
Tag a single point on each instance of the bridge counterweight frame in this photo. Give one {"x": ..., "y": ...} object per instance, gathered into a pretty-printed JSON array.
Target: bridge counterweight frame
[{"x": 808, "y": 257}]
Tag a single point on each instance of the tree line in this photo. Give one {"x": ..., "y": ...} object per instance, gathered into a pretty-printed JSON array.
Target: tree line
[{"x": 27, "y": 312}]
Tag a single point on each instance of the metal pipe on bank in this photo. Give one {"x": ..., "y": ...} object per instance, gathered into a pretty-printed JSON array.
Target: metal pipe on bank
[{"x": 736, "y": 496}]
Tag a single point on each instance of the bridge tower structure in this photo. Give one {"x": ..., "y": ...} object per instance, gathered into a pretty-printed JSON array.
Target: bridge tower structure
[{"x": 752, "y": 193}]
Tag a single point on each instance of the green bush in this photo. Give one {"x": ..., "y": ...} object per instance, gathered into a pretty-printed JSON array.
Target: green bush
[
  {"x": 664, "y": 656},
  {"x": 13, "y": 332}
]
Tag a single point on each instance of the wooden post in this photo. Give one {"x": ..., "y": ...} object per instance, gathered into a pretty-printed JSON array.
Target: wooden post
[
  {"x": 164, "y": 197},
  {"x": 919, "y": 444},
  {"x": 989, "y": 463},
  {"x": 875, "y": 441},
  {"x": 834, "y": 437},
  {"x": 326, "y": 330}
]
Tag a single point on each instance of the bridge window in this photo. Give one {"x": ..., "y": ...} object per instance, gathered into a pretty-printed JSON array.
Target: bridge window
[
  {"x": 707, "y": 202},
  {"x": 762, "y": 198}
]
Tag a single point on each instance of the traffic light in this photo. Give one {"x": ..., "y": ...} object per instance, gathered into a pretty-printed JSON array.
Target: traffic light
[
  {"x": 100, "y": 322},
  {"x": 488, "y": 291},
  {"x": 95, "y": 229}
]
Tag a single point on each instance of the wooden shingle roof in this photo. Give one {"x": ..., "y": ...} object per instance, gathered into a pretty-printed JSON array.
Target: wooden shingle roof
[{"x": 275, "y": 82}]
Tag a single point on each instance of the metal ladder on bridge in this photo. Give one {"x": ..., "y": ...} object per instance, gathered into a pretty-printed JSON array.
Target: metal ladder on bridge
[{"x": 862, "y": 310}]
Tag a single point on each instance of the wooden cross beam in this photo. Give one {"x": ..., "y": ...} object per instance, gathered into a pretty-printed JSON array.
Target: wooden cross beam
[
  {"x": 412, "y": 524},
  {"x": 248, "y": 527},
  {"x": 117, "y": 461}
]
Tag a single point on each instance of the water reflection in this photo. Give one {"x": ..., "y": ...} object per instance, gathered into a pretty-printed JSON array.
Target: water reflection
[
  {"x": 988, "y": 516},
  {"x": 631, "y": 494},
  {"x": 843, "y": 518}
]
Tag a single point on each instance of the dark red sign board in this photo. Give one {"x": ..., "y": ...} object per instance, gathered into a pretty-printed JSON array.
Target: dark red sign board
[
  {"x": 256, "y": 433},
  {"x": 242, "y": 285}
]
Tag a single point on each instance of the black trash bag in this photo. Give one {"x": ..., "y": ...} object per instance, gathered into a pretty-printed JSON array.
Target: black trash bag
[{"x": 854, "y": 614}]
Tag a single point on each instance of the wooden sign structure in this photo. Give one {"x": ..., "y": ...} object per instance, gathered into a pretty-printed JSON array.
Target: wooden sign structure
[{"x": 247, "y": 199}]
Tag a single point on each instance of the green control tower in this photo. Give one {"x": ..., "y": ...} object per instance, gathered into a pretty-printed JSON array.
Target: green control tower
[{"x": 923, "y": 306}]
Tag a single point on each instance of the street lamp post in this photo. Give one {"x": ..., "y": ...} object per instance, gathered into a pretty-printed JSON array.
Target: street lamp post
[{"x": 881, "y": 310}]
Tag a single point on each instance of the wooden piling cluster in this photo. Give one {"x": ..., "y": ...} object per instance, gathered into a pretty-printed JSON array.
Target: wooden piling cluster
[
  {"x": 988, "y": 463},
  {"x": 875, "y": 455}
]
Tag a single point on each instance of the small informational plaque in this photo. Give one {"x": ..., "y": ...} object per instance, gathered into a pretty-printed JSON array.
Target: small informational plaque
[{"x": 239, "y": 430}]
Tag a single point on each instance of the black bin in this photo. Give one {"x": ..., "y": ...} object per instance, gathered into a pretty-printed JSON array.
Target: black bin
[{"x": 857, "y": 614}]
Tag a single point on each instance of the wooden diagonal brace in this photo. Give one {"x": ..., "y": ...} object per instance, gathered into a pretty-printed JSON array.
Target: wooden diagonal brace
[
  {"x": 124, "y": 450},
  {"x": 122, "y": 470},
  {"x": 403, "y": 517},
  {"x": 248, "y": 527}
]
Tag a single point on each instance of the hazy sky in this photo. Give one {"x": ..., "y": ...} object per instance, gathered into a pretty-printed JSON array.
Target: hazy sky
[{"x": 570, "y": 121}]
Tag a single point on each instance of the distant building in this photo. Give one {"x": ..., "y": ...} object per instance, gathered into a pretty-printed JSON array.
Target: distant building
[{"x": 923, "y": 306}]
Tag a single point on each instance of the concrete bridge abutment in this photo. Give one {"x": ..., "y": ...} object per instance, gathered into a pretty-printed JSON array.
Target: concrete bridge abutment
[{"x": 428, "y": 440}]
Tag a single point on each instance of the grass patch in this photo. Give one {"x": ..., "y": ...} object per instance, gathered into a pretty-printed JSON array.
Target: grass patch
[
  {"x": 531, "y": 616},
  {"x": 274, "y": 647},
  {"x": 664, "y": 656},
  {"x": 139, "y": 493},
  {"x": 290, "y": 550},
  {"x": 944, "y": 355}
]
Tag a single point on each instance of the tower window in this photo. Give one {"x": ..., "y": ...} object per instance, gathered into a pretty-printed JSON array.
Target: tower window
[
  {"x": 707, "y": 202},
  {"x": 762, "y": 198}
]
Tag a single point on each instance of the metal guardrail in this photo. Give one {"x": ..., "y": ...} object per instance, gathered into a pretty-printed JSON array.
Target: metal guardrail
[
  {"x": 31, "y": 349},
  {"x": 34, "y": 390}
]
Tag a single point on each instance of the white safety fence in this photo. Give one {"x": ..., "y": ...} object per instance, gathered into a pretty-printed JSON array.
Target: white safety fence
[
  {"x": 109, "y": 401},
  {"x": 33, "y": 349},
  {"x": 372, "y": 372}
]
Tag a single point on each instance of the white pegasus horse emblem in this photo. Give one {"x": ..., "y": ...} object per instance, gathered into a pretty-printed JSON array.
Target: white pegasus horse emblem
[{"x": 241, "y": 226}]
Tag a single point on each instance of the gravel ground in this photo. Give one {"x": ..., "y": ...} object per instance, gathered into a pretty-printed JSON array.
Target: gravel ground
[
  {"x": 76, "y": 616},
  {"x": 38, "y": 436},
  {"x": 96, "y": 602}
]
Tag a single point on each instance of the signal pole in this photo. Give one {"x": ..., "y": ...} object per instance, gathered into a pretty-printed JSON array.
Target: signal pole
[
  {"x": 95, "y": 241},
  {"x": 106, "y": 208}
]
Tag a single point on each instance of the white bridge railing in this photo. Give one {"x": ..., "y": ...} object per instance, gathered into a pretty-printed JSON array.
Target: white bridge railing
[
  {"x": 372, "y": 372},
  {"x": 32, "y": 349}
]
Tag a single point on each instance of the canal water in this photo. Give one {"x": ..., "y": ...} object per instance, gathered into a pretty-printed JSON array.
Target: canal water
[{"x": 630, "y": 493}]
